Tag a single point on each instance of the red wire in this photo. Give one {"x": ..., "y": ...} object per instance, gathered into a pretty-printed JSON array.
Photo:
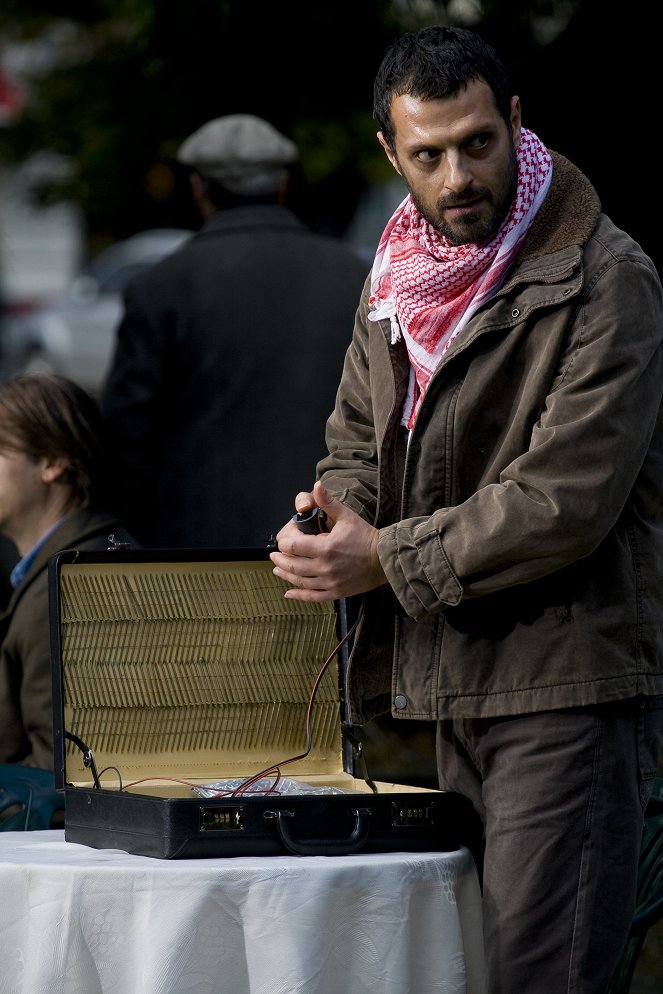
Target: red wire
[
  {"x": 244, "y": 787},
  {"x": 309, "y": 733}
]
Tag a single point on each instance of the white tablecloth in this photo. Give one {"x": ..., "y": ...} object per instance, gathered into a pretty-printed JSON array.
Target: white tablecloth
[{"x": 76, "y": 920}]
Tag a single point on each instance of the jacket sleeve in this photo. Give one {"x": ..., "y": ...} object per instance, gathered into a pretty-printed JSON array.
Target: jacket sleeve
[
  {"x": 594, "y": 460},
  {"x": 351, "y": 470},
  {"x": 594, "y": 456},
  {"x": 26, "y": 710}
]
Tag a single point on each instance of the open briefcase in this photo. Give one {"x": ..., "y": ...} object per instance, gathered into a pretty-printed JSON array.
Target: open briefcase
[{"x": 197, "y": 712}]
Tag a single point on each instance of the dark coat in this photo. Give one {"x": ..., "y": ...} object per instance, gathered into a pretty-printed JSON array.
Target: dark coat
[
  {"x": 26, "y": 711},
  {"x": 521, "y": 532},
  {"x": 225, "y": 371}
]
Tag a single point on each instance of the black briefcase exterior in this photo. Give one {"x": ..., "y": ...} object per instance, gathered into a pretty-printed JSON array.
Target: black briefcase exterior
[{"x": 197, "y": 712}]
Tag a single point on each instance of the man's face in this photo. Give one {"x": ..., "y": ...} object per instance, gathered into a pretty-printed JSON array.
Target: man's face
[
  {"x": 21, "y": 490},
  {"x": 458, "y": 160}
]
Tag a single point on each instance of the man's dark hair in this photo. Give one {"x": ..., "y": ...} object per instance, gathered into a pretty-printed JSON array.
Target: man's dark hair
[
  {"x": 223, "y": 199},
  {"x": 49, "y": 416},
  {"x": 435, "y": 63}
]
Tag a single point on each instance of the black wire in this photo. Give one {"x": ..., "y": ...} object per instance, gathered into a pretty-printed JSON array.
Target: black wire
[{"x": 88, "y": 757}]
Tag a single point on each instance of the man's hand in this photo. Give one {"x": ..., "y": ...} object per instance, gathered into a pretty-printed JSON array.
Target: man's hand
[{"x": 333, "y": 564}]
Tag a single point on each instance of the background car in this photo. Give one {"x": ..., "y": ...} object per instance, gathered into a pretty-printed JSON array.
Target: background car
[{"x": 73, "y": 334}]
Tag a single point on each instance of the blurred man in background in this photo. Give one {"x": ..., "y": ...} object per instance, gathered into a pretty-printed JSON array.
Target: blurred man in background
[{"x": 230, "y": 350}]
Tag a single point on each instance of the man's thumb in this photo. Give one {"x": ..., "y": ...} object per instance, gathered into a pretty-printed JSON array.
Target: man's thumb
[{"x": 327, "y": 502}]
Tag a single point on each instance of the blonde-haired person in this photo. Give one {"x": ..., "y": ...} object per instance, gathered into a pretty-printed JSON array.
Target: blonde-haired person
[{"x": 54, "y": 468}]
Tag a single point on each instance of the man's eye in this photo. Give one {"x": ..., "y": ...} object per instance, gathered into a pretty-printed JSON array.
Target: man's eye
[
  {"x": 478, "y": 143},
  {"x": 427, "y": 155}
]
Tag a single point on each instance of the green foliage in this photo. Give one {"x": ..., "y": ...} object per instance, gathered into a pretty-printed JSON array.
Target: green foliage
[
  {"x": 115, "y": 86},
  {"x": 119, "y": 84}
]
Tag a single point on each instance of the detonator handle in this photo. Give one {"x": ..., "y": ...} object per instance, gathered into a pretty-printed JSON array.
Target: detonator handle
[{"x": 311, "y": 522}]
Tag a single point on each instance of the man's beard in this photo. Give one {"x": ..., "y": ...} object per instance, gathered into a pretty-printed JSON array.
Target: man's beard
[{"x": 473, "y": 228}]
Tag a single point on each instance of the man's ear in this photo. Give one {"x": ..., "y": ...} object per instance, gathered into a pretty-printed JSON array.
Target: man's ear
[
  {"x": 53, "y": 469},
  {"x": 516, "y": 120},
  {"x": 391, "y": 155},
  {"x": 201, "y": 200}
]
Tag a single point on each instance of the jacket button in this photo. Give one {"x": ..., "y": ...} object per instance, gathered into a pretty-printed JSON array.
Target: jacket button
[
  {"x": 400, "y": 702},
  {"x": 515, "y": 312}
]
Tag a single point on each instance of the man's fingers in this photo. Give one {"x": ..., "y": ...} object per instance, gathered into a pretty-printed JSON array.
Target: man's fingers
[{"x": 304, "y": 502}]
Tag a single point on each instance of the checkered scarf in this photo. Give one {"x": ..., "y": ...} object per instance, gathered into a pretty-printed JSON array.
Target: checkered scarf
[{"x": 429, "y": 289}]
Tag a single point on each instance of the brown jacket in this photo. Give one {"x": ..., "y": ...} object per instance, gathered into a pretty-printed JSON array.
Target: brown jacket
[
  {"x": 26, "y": 717},
  {"x": 521, "y": 530}
]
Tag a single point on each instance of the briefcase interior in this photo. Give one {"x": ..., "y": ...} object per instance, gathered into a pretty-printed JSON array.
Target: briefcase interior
[{"x": 198, "y": 712}]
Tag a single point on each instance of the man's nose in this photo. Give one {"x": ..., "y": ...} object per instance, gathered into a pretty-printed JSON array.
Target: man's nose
[{"x": 457, "y": 176}]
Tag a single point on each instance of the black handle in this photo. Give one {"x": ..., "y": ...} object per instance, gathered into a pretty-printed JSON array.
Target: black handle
[
  {"x": 312, "y": 522},
  {"x": 321, "y": 847}
]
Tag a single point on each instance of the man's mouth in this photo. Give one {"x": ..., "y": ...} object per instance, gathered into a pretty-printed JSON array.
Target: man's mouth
[{"x": 463, "y": 208}]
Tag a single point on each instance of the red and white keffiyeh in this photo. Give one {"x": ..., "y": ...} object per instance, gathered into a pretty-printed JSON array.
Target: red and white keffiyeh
[{"x": 429, "y": 288}]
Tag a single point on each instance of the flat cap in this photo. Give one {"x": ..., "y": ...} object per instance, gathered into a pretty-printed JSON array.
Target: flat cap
[{"x": 242, "y": 152}]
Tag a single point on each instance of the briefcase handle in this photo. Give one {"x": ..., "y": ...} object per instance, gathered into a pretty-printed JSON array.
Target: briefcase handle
[{"x": 321, "y": 847}]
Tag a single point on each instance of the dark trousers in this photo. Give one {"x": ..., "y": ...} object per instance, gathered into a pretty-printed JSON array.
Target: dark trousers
[{"x": 561, "y": 795}]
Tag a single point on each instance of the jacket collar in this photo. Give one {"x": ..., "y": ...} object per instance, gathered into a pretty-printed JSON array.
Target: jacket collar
[
  {"x": 76, "y": 527},
  {"x": 567, "y": 216},
  {"x": 251, "y": 216}
]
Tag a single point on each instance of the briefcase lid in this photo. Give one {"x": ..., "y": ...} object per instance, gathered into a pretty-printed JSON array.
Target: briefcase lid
[{"x": 189, "y": 665}]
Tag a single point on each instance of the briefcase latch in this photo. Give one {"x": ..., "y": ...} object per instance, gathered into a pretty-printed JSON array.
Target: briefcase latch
[
  {"x": 411, "y": 815},
  {"x": 229, "y": 819}
]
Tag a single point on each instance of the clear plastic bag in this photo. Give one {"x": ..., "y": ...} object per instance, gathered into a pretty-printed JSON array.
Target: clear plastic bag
[{"x": 266, "y": 787}]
